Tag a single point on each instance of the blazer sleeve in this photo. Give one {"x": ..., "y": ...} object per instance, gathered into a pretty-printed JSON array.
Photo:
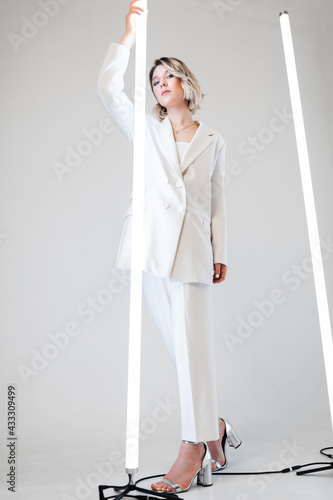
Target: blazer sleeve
[
  {"x": 218, "y": 210},
  {"x": 110, "y": 88}
]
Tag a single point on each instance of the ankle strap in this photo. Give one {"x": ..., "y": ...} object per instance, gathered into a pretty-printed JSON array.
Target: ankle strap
[{"x": 192, "y": 442}]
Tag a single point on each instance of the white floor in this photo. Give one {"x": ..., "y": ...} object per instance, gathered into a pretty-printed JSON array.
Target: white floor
[{"x": 58, "y": 469}]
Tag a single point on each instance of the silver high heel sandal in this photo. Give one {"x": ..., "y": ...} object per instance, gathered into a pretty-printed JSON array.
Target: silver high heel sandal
[
  {"x": 233, "y": 440},
  {"x": 204, "y": 474}
]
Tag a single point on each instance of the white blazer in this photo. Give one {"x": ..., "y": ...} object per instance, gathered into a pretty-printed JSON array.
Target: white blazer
[{"x": 185, "y": 212}]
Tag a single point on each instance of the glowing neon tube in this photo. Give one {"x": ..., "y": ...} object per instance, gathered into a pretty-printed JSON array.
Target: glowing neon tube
[
  {"x": 310, "y": 209},
  {"x": 134, "y": 349}
]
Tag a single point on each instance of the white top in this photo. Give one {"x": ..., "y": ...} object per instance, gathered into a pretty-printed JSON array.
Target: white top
[{"x": 181, "y": 148}]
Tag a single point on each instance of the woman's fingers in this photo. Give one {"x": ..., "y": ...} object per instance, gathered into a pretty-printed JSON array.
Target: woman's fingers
[
  {"x": 217, "y": 273},
  {"x": 132, "y": 3},
  {"x": 130, "y": 19},
  {"x": 135, "y": 7},
  {"x": 220, "y": 271}
]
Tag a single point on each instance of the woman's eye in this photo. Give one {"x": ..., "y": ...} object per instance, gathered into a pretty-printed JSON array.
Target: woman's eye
[{"x": 157, "y": 82}]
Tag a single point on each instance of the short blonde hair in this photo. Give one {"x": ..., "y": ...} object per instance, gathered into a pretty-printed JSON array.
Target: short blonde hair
[{"x": 189, "y": 83}]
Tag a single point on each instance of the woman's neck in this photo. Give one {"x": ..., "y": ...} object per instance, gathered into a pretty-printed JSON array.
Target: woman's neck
[{"x": 180, "y": 117}]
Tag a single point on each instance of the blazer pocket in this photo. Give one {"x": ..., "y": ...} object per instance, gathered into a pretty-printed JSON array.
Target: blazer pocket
[{"x": 206, "y": 224}]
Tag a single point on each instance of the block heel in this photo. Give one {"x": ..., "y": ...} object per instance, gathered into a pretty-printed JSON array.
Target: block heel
[{"x": 231, "y": 437}]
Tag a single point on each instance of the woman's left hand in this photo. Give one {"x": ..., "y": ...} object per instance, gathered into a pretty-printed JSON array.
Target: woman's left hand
[{"x": 220, "y": 272}]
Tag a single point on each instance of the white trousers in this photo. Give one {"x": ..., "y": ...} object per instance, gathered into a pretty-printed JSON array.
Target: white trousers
[{"x": 183, "y": 314}]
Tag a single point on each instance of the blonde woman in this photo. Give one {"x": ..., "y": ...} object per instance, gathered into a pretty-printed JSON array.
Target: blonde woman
[{"x": 184, "y": 244}]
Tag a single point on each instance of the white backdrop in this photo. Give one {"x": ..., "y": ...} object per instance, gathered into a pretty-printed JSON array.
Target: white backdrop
[{"x": 64, "y": 190}]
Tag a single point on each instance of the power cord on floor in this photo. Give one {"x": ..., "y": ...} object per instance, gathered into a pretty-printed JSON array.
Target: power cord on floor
[
  {"x": 172, "y": 495},
  {"x": 327, "y": 466},
  {"x": 329, "y": 455}
]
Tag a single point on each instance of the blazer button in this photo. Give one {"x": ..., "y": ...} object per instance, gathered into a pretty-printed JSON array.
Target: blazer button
[
  {"x": 179, "y": 183},
  {"x": 165, "y": 204},
  {"x": 180, "y": 208}
]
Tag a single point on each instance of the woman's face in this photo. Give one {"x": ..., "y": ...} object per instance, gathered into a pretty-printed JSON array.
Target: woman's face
[{"x": 167, "y": 88}]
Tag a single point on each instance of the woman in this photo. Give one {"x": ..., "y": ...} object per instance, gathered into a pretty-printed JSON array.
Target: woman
[{"x": 184, "y": 244}]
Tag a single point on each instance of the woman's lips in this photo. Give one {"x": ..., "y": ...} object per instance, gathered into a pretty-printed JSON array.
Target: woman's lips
[{"x": 165, "y": 92}]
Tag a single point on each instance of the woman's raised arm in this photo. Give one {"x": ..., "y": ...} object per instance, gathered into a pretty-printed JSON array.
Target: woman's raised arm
[{"x": 110, "y": 89}]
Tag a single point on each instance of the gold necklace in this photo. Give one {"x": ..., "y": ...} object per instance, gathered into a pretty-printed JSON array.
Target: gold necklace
[{"x": 177, "y": 131}]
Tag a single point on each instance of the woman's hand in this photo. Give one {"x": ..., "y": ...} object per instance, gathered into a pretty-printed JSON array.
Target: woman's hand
[
  {"x": 128, "y": 38},
  {"x": 131, "y": 19},
  {"x": 220, "y": 272}
]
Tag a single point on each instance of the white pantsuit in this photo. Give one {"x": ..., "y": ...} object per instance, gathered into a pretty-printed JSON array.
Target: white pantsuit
[
  {"x": 184, "y": 235},
  {"x": 182, "y": 312}
]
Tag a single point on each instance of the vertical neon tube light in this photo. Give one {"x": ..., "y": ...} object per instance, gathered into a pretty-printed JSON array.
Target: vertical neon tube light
[
  {"x": 134, "y": 349},
  {"x": 310, "y": 209}
]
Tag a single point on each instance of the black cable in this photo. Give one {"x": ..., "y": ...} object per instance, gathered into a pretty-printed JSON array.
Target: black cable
[
  {"x": 283, "y": 471},
  {"x": 317, "y": 469},
  {"x": 124, "y": 491},
  {"x": 173, "y": 496},
  {"x": 328, "y": 465},
  {"x": 327, "y": 454}
]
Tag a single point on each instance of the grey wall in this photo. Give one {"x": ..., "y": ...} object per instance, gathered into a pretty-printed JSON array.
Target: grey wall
[{"x": 60, "y": 231}]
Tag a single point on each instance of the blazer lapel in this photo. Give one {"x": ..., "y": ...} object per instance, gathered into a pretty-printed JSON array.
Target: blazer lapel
[{"x": 203, "y": 137}]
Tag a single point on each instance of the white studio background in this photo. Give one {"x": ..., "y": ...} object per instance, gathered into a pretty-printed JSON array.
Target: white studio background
[{"x": 62, "y": 206}]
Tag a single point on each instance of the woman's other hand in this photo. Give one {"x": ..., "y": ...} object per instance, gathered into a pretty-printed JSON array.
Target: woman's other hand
[{"x": 220, "y": 272}]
